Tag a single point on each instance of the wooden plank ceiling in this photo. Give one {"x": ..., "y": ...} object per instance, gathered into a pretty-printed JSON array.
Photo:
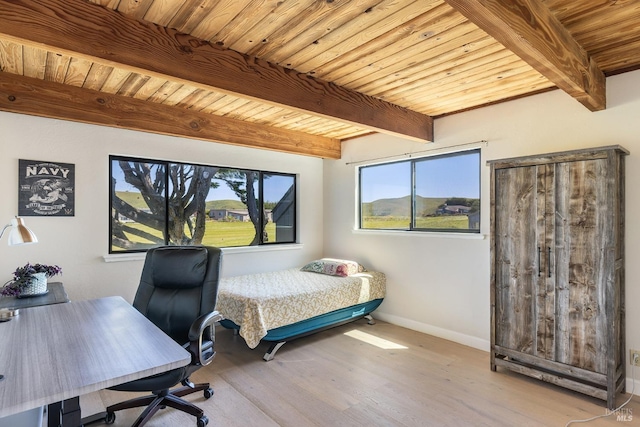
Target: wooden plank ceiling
[{"x": 299, "y": 76}]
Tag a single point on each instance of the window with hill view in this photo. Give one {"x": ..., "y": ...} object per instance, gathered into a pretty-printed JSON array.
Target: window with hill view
[
  {"x": 438, "y": 193},
  {"x": 160, "y": 203}
]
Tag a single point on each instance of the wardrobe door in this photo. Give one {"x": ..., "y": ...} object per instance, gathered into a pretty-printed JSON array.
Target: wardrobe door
[
  {"x": 584, "y": 262},
  {"x": 519, "y": 193}
]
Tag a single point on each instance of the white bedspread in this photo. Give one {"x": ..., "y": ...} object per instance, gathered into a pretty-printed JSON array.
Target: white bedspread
[{"x": 264, "y": 301}]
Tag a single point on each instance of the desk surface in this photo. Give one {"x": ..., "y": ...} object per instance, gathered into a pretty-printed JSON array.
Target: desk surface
[
  {"x": 56, "y": 295},
  {"x": 56, "y": 352}
]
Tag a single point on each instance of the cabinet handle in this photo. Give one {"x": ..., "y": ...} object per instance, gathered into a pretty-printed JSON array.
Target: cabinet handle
[
  {"x": 539, "y": 266},
  {"x": 549, "y": 260}
]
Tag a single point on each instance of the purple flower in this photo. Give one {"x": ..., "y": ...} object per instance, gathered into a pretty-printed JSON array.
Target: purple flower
[{"x": 22, "y": 276}]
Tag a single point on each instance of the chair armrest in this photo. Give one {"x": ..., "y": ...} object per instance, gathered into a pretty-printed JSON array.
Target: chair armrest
[{"x": 201, "y": 348}]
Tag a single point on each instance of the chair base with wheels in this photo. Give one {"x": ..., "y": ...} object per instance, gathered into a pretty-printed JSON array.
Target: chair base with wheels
[{"x": 162, "y": 399}]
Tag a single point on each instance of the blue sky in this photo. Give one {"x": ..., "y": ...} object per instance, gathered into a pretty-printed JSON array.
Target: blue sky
[
  {"x": 437, "y": 177},
  {"x": 274, "y": 188}
]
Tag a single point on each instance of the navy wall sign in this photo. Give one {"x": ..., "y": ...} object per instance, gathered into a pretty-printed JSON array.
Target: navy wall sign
[{"x": 46, "y": 188}]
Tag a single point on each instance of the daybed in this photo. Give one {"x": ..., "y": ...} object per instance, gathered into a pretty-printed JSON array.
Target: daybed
[{"x": 282, "y": 305}]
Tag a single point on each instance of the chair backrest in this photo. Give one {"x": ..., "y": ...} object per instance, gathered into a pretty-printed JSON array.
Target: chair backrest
[{"x": 178, "y": 284}]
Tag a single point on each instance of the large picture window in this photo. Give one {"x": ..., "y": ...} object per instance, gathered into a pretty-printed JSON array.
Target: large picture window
[
  {"x": 166, "y": 203},
  {"x": 438, "y": 193}
]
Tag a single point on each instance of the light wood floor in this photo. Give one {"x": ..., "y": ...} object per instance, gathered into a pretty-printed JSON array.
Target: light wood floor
[{"x": 334, "y": 379}]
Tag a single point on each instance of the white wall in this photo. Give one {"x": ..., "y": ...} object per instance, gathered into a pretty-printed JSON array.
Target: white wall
[
  {"x": 79, "y": 243},
  {"x": 435, "y": 284},
  {"x": 440, "y": 285}
]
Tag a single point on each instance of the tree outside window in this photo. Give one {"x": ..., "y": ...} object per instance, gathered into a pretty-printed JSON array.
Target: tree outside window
[{"x": 156, "y": 203}]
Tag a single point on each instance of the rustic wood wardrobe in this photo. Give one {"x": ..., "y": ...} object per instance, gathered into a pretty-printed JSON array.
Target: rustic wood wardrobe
[{"x": 557, "y": 269}]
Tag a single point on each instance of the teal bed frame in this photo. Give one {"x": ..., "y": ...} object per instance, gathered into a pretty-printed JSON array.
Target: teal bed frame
[{"x": 280, "y": 336}]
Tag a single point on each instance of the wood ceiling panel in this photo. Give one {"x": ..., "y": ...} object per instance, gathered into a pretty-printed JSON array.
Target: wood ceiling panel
[
  {"x": 214, "y": 17},
  {"x": 268, "y": 39},
  {"x": 600, "y": 26},
  {"x": 444, "y": 67},
  {"x": 134, "y": 8},
  {"x": 616, "y": 59},
  {"x": 517, "y": 85},
  {"x": 571, "y": 12},
  {"x": 389, "y": 48},
  {"x": 209, "y": 99},
  {"x": 163, "y": 12},
  {"x": 264, "y": 116},
  {"x": 165, "y": 91},
  {"x": 262, "y": 29},
  {"x": 56, "y": 68},
  {"x": 184, "y": 92},
  {"x": 77, "y": 72},
  {"x": 133, "y": 84},
  {"x": 353, "y": 33},
  {"x": 150, "y": 85},
  {"x": 190, "y": 16},
  {"x": 479, "y": 78},
  {"x": 219, "y": 104},
  {"x": 568, "y": 9},
  {"x": 232, "y": 106},
  {"x": 312, "y": 25},
  {"x": 421, "y": 55},
  {"x": 245, "y": 112},
  {"x": 249, "y": 19},
  {"x": 116, "y": 79},
  {"x": 346, "y": 135},
  {"x": 34, "y": 62},
  {"x": 111, "y": 4},
  {"x": 459, "y": 45},
  {"x": 11, "y": 57},
  {"x": 196, "y": 96},
  {"x": 96, "y": 77}
]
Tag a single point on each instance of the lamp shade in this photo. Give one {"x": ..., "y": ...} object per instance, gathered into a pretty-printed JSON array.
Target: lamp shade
[{"x": 20, "y": 234}]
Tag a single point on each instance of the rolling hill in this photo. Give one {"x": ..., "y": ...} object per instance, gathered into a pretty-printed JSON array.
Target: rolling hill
[
  {"x": 135, "y": 199},
  {"x": 401, "y": 206}
]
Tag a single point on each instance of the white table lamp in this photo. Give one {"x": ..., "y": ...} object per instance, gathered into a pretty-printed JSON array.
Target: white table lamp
[{"x": 19, "y": 234}]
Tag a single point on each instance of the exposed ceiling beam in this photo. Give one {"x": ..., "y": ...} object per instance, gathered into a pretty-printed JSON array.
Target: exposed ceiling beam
[
  {"x": 531, "y": 31},
  {"x": 26, "y": 95},
  {"x": 83, "y": 29}
]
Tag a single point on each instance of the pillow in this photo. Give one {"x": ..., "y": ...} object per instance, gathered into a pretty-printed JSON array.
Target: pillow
[{"x": 334, "y": 267}]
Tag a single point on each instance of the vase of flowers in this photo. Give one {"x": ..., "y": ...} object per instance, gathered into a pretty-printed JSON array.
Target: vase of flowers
[{"x": 30, "y": 280}]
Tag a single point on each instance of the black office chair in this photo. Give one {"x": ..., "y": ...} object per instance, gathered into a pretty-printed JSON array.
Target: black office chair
[{"x": 177, "y": 292}]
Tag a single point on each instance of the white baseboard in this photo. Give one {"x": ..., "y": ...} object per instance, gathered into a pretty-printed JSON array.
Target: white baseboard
[
  {"x": 633, "y": 381},
  {"x": 446, "y": 334},
  {"x": 478, "y": 343}
]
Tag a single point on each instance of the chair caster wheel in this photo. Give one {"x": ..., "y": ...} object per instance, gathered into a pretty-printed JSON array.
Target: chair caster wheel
[
  {"x": 203, "y": 421},
  {"x": 208, "y": 393},
  {"x": 110, "y": 418}
]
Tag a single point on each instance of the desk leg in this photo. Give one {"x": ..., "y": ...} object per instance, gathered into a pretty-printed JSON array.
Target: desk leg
[
  {"x": 54, "y": 414},
  {"x": 65, "y": 413}
]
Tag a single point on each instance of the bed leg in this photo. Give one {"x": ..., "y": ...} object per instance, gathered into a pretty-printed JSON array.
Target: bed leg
[
  {"x": 371, "y": 320},
  {"x": 271, "y": 353}
]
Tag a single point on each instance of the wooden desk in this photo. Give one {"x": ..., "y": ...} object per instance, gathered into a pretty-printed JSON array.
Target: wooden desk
[
  {"x": 57, "y": 352},
  {"x": 56, "y": 295}
]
